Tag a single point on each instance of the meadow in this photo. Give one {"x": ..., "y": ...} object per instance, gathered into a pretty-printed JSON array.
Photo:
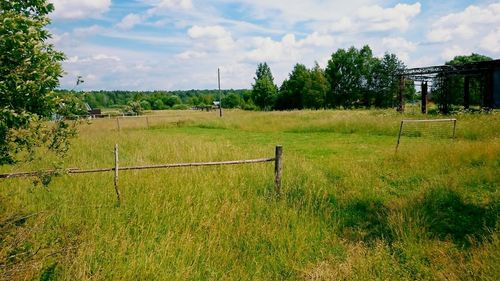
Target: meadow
[{"x": 350, "y": 209}]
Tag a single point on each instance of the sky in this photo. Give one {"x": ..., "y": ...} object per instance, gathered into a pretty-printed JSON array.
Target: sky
[{"x": 180, "y": 44}]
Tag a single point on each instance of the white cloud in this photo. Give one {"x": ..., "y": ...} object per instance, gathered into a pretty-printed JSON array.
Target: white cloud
[
  {"x": 191, "y": 55},
  {"x": 266, "y": 49},
  {"x": 398, "y": 43},
  {"x": 471, "y": 15},
  {"x": 105, "y": 57},
  {"x": 364, "y": 15},
  {"x": 291, "y": 11},
  {"x": 160, "y": 6},
  {"x": 129, "y": 21},
  {"x": 466, "y": 24},
  {"x": 342, "y": 25},
  {"x": 208, "y": 31},
  {"x": 167, "y": 4},
  {"x": 400, "y": 46},
  {"x": 77, "y": 9},
  {"x": 72, "y": 59},
  {"x": 377, "y": 18},
  {"x": 96, "y": 57},
  {"x": 492, "y": 41},
  {"x": 318, "y": 40},
  {"x": 450, "y": 52},
  {"x": 208, "y": 37},
  {"x": 288, "y": 49},
  {"x": 88, "y": 31}
]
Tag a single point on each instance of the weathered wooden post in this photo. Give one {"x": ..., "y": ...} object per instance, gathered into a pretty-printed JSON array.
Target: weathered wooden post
[
  {"x": 278, "y": 166},
  {"x": 147, "y": 122},
  {"x": 454, "y": 128},
  {"x": 118, "y": 197},
  {"x": 118, "y": 123},
  {"x": 399, "y": 134}
]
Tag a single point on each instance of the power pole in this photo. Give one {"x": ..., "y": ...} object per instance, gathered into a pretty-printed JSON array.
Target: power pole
[{"x": 220, "y": 93}]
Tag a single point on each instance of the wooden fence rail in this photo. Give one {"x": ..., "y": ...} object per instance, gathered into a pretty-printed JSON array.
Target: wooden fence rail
[{"x": 277, "y": 169}]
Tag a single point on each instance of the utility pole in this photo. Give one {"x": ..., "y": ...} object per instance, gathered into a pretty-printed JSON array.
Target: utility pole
[{"x": 220, "y": 93}]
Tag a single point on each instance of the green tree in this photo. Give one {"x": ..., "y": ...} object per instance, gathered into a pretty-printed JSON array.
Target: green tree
[
  {"x": 133, "y": 107},
  {"x": 29, "y": 71},
  {"x": 292, "y": 90},
  {"x": 264, "y": 90},
  {"x": 171, "y": 100},
  {"x": 385, "y": 82},
  {"x": 72, "y": 105},
  {"x": 316, "y": 89},
  {"x": 350, "y": 76},
  {"x": 158, "y": 105},
  {"x": 232, "y": 100},
  {"x": 145, "y": 105}
]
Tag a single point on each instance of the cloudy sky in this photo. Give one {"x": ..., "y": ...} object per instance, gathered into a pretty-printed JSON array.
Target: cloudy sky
[{"x": 179, "y": 44}]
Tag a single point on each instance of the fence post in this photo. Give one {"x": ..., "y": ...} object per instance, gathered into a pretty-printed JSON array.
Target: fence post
[
  {"x": 147, "y": 122},
  {"x": 278, "y": 166},
  {"x": 118, "y": 197},
  {"x": 118, "y": 123},
  {"x": 399, "y": 135},
  {"x": 454, "y": 128}
]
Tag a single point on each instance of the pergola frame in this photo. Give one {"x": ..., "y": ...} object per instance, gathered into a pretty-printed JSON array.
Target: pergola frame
[{"x": 484, "y": 70}]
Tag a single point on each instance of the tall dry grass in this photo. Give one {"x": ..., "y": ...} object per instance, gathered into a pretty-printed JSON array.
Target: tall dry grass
[{"x": 351, "y": 208}]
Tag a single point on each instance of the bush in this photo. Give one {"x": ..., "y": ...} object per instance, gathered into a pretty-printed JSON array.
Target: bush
[{"x": 180, "y": 107}]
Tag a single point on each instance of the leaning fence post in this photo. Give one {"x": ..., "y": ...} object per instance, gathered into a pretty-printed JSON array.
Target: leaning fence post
[
  {"x": 399, "y": 134},
  {"x": 116, "y": 175},
  {"x": 278, "y": 166},
  {"x": 147, "y": 122}
]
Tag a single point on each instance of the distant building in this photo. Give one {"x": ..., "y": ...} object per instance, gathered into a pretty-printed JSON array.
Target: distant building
[{"x": 93, "y": 112}]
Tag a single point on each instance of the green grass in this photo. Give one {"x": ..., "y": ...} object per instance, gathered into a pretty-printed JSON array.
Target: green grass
[{"x": 351, "y": 208}]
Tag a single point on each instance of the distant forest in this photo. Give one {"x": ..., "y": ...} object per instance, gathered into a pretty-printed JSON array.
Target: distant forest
[{"x": 159, "y": 100}]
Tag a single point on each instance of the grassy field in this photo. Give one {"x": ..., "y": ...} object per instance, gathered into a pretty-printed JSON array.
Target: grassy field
[{"x": 351, "y": 208}]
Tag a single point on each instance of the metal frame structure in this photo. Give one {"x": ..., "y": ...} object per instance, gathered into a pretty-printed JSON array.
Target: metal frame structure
[{"x": 485, "y": 71}]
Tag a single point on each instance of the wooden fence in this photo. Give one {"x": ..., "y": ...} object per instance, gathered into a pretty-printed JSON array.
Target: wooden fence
[{"x": 277, "y": 159}]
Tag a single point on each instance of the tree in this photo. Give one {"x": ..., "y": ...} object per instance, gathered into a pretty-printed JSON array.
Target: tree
[
  {"x": 29, "y": 72},
  {"x": 145, "y": 105},
  {"x": 158, "y": 105},
  {"x": 264, "y": 90},
  {"x": 292, "y": 90},
  {"x": 316, "y": 88},
  {"x": 232, "y": 100},
  {"x": 350, "y": 76},
  {"x": 385, "y": 82}
]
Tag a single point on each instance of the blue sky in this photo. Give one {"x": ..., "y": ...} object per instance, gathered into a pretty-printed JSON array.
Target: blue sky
[{"x": 179, "y": 44}]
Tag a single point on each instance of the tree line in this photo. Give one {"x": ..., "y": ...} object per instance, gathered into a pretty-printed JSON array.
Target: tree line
[
  {"x": 353, "y": 78},
  {"x": 155, "y": 100}
]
